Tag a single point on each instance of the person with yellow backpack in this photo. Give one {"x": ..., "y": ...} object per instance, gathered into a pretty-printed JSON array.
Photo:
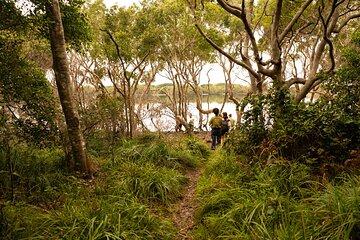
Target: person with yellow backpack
[{"x": 215, "y": 124}]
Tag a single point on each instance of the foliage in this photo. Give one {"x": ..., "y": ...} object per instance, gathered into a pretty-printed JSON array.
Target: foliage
[
  {"x": 76, "y": 28},
  {"x": 247, "y": 139},
  {"x": 264, "y": 187},
  {"x": 32, "y": 108},
  {"x": 154, "y": 149},
  {"x": 152, "y": 182},
  {"x": 196, "y": 147},
  {"x": 119, "y": 218},
  {"x": 137, "y": 29},
  {"x": 312, "y": 133},
  {"x": 28, "y": 163},
  {"x": 11, "y": 17},
  {"x": 103, "y": 119}
]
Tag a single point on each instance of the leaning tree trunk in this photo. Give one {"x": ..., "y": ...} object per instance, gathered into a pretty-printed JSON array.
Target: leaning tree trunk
[{"x": 63, "y": 83}]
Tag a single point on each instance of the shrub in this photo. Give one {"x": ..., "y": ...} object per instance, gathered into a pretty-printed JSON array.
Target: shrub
[{"x": 311, "y": 133}]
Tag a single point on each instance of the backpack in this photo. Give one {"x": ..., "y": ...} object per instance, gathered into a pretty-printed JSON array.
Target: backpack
[{"x": 224, "y": 126}]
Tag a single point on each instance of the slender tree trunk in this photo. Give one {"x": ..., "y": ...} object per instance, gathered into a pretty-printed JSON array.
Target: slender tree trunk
[{"x": 63, "y": 83}]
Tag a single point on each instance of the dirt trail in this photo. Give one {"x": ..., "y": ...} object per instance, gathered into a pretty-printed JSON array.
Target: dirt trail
[{"x": 183, "y": 216}]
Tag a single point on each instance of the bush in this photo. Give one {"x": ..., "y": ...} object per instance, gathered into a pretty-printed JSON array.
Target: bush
[{"x": 312, "y": 133}]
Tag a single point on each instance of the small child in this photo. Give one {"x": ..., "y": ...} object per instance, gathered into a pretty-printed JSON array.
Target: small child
[{"x": 215, "y": 124}]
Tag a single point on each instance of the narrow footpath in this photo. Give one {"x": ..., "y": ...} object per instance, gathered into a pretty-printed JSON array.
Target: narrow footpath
[{"x": 183, "y": 216}]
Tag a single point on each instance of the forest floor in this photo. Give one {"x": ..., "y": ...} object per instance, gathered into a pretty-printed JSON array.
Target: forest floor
[
  {"x": 184, "y": 210},
  {"x": 183, "y": 216}
]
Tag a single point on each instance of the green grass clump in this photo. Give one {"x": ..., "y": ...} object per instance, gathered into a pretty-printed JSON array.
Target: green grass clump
[
  {"x": 150, "y": 168},
  {"x": 277, "y": 201},
  {"x": 221, "y": 172},
  {"x": 153, "y": 183},
  {"x": 177, "y": 153},
  {"x": 196, "y": 147},
  {"x": 52, "y": 204}
]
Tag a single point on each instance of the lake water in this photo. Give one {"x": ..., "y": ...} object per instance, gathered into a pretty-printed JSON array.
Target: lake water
[{"x": 156, "y": 117}]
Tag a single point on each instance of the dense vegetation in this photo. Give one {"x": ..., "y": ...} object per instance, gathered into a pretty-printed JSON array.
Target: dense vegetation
[
  {"x": 130, "y": 198},
  {"x": 282, "y": 200},
  {"x": 294, "y": 179},
  {"x": 77, "y": 93}
]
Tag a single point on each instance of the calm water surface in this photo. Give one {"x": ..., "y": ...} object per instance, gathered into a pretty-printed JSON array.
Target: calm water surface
[{"x": 155, "y": 117}]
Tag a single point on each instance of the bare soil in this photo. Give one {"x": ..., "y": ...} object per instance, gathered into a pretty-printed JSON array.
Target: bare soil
[{"x": 183, "y": 216}]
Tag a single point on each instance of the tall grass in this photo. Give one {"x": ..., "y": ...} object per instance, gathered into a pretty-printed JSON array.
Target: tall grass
[
  {"x": 38, "y": 175},
  {"x": 120, "y": 203},
  {"x": 278, "y": 201},
  {"x": 78, "y": 219},
  {"x": 176, "y": 154}
]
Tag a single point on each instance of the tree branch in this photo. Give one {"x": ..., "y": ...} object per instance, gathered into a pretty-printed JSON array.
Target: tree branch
[
  {"x": 117, "y": 51},
  {"x": 115, "y": 86},
  {"x": 294, "y": 20},
  {"x": 345, "y": 22},
  {"x": 251, "y": 71},
  {"x": 327, "y": 32},
  {"x": 234, "y": 10},
  {"x": 241, "y": 13},
  {"x": 139, "y": 64},
  {"x": 292, "y": 81}
]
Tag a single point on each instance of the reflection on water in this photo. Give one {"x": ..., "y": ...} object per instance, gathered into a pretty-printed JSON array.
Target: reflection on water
[{"x": 158, "y": 117}]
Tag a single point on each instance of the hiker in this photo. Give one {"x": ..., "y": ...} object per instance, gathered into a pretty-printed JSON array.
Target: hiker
[
  {"x": 232, "y": 122},
  {"x": 215, "y": 124},
  {"x": 225, "y": 125}
]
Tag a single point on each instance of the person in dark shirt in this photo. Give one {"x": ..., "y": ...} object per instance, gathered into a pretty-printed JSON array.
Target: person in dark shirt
[{"x": 225, "y": 126}]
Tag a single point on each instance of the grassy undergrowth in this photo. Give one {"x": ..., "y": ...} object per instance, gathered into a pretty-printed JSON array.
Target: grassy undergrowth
[
  {"x": 278, "y": 201},
  {"x": 136, "y": 178}
]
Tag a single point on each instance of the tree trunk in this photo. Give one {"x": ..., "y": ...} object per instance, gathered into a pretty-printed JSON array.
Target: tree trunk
[{"x": 63, "y": 83}]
